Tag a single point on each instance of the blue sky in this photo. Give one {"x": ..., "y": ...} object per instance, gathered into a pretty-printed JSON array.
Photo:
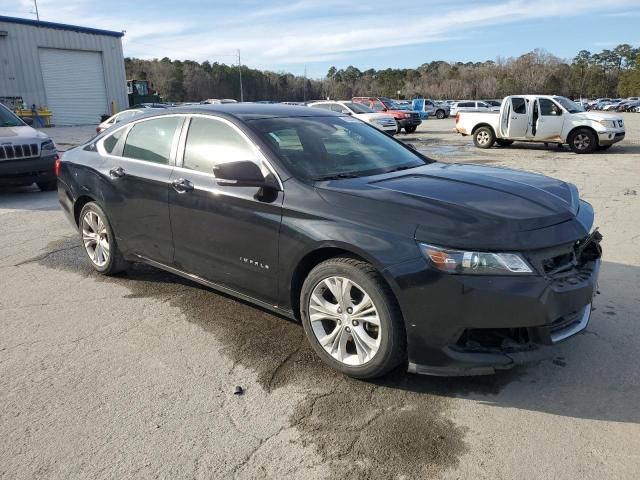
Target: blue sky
[{"x": 287, "y": 35}]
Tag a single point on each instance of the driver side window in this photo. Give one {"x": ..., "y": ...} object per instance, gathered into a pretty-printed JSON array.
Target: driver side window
[
  {"x": 211, "y": 142},
  {"x": 549, "y": 108}
]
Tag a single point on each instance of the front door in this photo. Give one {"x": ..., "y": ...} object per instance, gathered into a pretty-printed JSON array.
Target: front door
[
  {"x": 548, "y": 121},
  {"x": 515, "y": 118},
  {"x": 225, "y": 234},
  {"x": 138, "y": 166}
]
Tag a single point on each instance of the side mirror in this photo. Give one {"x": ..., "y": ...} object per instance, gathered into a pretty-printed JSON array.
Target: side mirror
[
  {"x": 28, "y": 120},
  {"x": 240, "y": 174},
  {"x": 347, "y": 112}
]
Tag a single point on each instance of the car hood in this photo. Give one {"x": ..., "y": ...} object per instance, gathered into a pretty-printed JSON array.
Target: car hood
[
  {"x": 468, "y": 206},
  {"x": 374, "y": 116},
  {"x": 596, "y": 116},
  {"x": 21, "y": 134}
]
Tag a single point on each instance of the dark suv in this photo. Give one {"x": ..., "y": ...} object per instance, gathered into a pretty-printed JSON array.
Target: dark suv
[{"x": 384, "y": 255}]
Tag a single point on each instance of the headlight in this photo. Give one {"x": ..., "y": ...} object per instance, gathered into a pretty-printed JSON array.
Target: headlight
[
  {"x": 607, "y": 123},
  {"x": 407, "y": 115},
  {"x": 47, "y": 147},
  {"x": 475, "y": 263}
]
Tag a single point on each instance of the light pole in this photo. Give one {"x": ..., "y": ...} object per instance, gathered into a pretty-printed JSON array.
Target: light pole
[{"x": 240, "y": 71}]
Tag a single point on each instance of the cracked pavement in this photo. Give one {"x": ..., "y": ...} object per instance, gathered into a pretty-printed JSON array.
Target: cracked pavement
[{"x": 133, "y": 376}]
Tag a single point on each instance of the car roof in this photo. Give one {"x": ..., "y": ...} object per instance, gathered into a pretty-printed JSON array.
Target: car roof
[{"x": 249, "y": 111}]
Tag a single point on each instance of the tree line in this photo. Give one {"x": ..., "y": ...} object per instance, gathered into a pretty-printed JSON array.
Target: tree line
[{"x": 609, "y": 73}]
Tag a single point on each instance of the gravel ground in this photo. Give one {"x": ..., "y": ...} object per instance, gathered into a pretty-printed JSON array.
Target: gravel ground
[{"x": 133, "y": 377}]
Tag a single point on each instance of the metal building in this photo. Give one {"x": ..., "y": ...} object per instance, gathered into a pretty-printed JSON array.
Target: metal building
[{"x": 76, "y": 72}]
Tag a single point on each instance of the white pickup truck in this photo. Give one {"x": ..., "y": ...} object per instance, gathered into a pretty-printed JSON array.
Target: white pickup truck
[{"x": 545, "y": 119}]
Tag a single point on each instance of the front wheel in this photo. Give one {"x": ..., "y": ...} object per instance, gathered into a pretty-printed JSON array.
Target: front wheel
[
  {"x": 484, "y": 137},
  {"x": 410, "y": 129},
  {"x": 99, "y": 241},
  {"x": 582, "y": 140},
  {"x": 440, "y": 114},
  {"x": 351, "y": 318}
]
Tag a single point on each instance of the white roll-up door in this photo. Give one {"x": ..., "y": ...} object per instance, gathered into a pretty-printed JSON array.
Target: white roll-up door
[{"x": 74, "y": 85}]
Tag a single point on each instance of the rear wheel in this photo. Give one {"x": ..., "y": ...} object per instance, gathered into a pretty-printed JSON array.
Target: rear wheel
[
  {"x": 47, "y": 186},
  {"x": 440, "y": 114},
  {"x": 99, "y": 241},
  {"x": 503, "y": 143},
  {"x": 484, "y": 137},
  {"x": 410, "y": 129},
  {"x": 351, "y": 318},
  {"x": 582, "y": 140}
]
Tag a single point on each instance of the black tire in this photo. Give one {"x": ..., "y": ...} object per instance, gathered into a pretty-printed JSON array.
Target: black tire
[
  {"x": 582, "y": 140},
  {"x": 604, "y": 147},
  {"x": 48, "y": 186},
  {"x": 410, "y": 129},
  {"x": 440, "y": 114},
  {"x": 392, "y": 349},
  {"x": 503, "y": 143},
  {"x": 484, "y": 137},
  {"x": 115, "y": 262}
]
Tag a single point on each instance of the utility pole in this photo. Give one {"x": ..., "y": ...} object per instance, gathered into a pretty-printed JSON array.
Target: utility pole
[
  {"x": 304, "y": 84},
  {"x": 35, "y": 2},
  {"x": 240, "y": 71}
]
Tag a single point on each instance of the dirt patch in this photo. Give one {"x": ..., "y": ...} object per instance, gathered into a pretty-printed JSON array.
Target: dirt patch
[{"x": 396, "y": 427}]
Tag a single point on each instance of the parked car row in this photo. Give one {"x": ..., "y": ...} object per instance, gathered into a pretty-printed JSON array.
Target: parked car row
[{"x": 630, "y": 104}]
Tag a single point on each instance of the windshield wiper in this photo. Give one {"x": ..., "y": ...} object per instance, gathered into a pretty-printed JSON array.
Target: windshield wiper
[
  {"x": 335, "y": 176},
  {"x": 403, "y": 167}
]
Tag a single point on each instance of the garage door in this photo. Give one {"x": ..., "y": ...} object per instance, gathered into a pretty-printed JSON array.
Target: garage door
[{"x": 74, "y": 85}]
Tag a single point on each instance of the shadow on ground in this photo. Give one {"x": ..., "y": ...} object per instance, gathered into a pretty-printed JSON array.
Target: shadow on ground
[{"x": 401, "y": 424}]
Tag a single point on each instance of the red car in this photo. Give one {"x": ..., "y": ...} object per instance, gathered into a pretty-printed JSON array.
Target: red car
[{"x": 405, "y": 118}]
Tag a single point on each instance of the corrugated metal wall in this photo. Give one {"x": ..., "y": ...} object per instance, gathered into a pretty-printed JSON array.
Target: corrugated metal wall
[{"x": 20, "y": 72}]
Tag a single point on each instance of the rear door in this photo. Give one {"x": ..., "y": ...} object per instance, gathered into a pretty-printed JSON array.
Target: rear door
[
  {"x": 225, "y": 234},
  {"x": 514, "y": 118},
  {"x": 139, "y": 160}
]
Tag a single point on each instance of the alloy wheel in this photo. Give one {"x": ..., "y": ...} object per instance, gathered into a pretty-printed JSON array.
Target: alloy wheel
[
  {"x": 582, "y": 141},
  {"x": 482, "y": 137},
  {"x": 345, "y": 321},
  {"x": 95, "y": 237}
]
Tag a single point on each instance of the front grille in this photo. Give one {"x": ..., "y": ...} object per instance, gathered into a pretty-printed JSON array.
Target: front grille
[
  {"x": 620, "y": 123},
  {"x": 415, "y": 116},
  {"x": 15, "y": 152},
  {"x": 386, "y": 122}
]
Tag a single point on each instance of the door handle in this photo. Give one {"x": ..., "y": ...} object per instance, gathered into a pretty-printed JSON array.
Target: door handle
[
  {"x": 182, "y": 186},
  {"x": 117, "y": 172}
]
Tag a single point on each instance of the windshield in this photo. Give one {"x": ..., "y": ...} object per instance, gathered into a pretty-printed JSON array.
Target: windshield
[
  {"x": 324, "y": 148},
  {"x": 358, "y": 107},
  {"x": 568, "y": 105},
  {"x": 8, "y": 118}
]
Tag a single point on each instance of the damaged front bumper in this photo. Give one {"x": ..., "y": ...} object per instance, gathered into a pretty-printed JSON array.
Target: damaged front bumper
[{"x": 475, "y": 325}]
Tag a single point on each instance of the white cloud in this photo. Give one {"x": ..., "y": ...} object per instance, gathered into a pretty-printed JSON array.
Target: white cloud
[{"x": 303, "y": 31}]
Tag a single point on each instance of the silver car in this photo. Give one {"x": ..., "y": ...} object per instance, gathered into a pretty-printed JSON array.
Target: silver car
[{"x": 26, "y": 155}]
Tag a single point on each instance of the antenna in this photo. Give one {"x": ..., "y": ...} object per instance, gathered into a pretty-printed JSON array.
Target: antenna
[
  {"x": 35, "y": 2},
  {"x": 240, "y": 71}
]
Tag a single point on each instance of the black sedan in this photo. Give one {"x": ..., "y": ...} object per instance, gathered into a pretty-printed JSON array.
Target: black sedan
[{"x": 384, "y": 255}]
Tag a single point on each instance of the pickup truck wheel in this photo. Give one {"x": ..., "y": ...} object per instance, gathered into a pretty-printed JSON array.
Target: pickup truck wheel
[
  {"x": 440, "y": 114},
  {"x": 503, "y": 143},
  {"x": 352, "y": 319},
  {"x": 98, "y": 240},
  {"x": 582, "y": 140},
  {"x": 410, "y": 129},
  {"x": 484, "y": 137}
]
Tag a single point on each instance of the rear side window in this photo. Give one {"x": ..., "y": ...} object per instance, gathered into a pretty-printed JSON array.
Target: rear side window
[
  {"x": 151, "y": 140},
  {"x": 211, "y": 142},
  {"x": 324, "y": 106},
  {"x": 466, "y": 104},
  {"x": 519, "y": 105},
  {"x": 111, "y": 141}
]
